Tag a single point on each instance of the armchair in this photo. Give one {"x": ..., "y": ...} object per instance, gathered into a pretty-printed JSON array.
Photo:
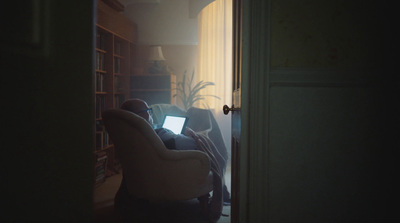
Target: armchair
[{"x": 149, "y": 169}]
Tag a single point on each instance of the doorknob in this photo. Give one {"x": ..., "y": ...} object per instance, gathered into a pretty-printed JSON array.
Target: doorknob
[{"x": 226, "y": 109}]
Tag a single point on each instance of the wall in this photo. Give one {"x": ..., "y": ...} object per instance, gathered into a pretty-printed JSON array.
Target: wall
[
  {"x": 178, "y": 58},
  {"x": 47, "y": 162},
  {"x": 324, "y": 156},
  {"x": 340, "y": 34},
  {"x": 168, "y": 24},
  {"x": 164, "y": 23},
  {"x": 173, "y": 25}
]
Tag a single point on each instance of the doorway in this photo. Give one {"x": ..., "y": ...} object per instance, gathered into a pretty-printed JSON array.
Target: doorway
[
  {"x": 177, "y": 37},
  {"x": 174, "y": 26}
]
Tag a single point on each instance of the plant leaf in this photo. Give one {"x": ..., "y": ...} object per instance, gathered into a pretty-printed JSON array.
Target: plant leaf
[{"x": 188, "y": 93}]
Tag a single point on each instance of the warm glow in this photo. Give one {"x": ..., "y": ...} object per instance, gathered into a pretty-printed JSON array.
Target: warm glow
[{"x": 215, "y": 52}]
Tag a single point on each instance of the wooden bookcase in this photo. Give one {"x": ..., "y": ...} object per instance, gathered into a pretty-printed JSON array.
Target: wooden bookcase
[{"x": 115, "y": 47}]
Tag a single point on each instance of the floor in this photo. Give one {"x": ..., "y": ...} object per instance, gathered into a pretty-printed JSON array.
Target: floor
[{"x": 187, "y": 211}]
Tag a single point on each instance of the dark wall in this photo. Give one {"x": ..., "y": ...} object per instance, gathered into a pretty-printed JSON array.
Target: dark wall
[
  {"x": 47, "y": 104},
  {"x": 332, "y": 123}
]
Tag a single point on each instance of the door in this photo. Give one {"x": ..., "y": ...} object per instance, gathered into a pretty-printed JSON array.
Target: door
[
  {"x": 235, "y": 108},
  {"x": 311, "y": 144}
]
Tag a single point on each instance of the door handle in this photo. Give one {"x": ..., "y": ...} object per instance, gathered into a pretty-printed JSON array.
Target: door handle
[{"x": 226, "y": 109}]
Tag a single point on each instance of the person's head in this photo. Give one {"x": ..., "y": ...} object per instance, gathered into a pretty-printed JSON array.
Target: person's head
[{"x": 138, "y": 107}]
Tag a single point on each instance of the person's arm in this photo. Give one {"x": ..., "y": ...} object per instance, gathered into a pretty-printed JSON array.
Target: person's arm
[
  {"x": 167, "y": 136},
  {"x": 184, "y": 141},
  {"x": 176, "y": 141}
]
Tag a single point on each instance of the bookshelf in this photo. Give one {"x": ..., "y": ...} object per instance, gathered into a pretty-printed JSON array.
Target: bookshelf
[
  {"x": 114, "y": 52},
  {"x": 154, "y": 88}
]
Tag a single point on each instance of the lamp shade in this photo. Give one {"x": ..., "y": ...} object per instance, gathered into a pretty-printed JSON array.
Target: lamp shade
[{"x": 156, "y": 53}]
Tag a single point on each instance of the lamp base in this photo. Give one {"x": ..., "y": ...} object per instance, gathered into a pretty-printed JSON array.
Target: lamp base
[{"x": 156, "y": 68}]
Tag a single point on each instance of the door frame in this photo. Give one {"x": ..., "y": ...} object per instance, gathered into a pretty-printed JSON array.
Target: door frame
[{"x": 255, "y": 116}]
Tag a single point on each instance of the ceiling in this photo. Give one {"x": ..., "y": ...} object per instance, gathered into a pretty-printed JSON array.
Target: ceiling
[{"x": 195, "y": 6}]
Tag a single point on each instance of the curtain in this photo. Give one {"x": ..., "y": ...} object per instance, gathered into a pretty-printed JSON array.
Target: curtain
[
  {"x": 215, "y": 53},
  {"x": 215, "y": 61}
]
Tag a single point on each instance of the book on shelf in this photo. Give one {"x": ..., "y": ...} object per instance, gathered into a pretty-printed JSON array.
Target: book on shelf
[
  {"x": 118, "y": 83},
  {"x": 101, "y": 171},
  {"x": 100, "y": 126},
  {"x": 102, "y": 137},
  {"x": 100, "y": 61},
  {"x": 100, "y": 166},
  {"x": 117, "y": 48},
  {"x": 100, "y": 177},
  {"x": 99, "y": 140},
  {"x": 118, "y": 100},
  {"x": 106, "y": 139},
  {"x": 117, "y": 65},
  {"x": 99, "y": 82},
  {"x": 101, "y": 155},
  {"x": 100, "y": 40}
]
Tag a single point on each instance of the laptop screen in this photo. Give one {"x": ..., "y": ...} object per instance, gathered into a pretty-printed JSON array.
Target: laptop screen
[{"x": 175, "y": 123}]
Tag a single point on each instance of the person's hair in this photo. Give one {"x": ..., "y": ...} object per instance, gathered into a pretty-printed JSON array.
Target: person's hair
[{"x": 131, "y": 104}]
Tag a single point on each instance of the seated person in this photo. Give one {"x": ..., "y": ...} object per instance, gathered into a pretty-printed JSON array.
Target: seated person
[{"x": 170, "y": 139}]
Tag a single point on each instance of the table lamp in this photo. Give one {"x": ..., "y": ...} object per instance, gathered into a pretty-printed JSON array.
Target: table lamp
[{"x": 155, "y": 57}]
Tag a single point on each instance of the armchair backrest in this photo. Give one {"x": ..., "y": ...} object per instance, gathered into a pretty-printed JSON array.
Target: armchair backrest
[
  {"x": 150, "y": 170},
  {"x": 137, "y": 147}
]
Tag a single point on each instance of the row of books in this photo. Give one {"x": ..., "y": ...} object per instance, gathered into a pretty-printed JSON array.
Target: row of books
[
  {"x": 100, "y": 82},
  {"x": 118, "y": 83},
  {"x": 100, "y": 61},
  {"x": 101, "y": 105},
  {"x": 118, "y": 100},
  {"x": 100, "y": 77},
  {"x": 100, "y": 167},
  {"x": 117, "y": 65},
  {"x": 117, "y": 48},
  {"x": 100, "y": 41},
  {"x": 102, "y": 140},
  {"x": 102, "y": 137}
]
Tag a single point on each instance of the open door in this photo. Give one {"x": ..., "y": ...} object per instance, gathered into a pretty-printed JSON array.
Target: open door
[{"x": 235, "y": 107}]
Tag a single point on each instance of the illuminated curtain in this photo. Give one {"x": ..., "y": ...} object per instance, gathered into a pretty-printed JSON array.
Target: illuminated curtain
[{"x": 215, "y": 53}]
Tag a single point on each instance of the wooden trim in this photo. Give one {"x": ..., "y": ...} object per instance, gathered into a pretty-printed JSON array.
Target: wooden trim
[
  {"x": 144, "y": 89},
  {"x": 239, "y": 163},
  {"x": 115, "y": 22},
  {"x": 256, "y": 68},
  {"x": 324, "y": 77},
  {"x": 114, "y": 33},
  {"x": 115, "y": 4}
]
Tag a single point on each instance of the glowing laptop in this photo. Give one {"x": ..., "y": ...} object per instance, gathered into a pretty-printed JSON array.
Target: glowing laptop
[{"x": 175, "y": 123}]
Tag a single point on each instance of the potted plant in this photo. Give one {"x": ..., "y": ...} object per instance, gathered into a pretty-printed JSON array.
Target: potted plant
[{"x": 188, "y": 93}]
